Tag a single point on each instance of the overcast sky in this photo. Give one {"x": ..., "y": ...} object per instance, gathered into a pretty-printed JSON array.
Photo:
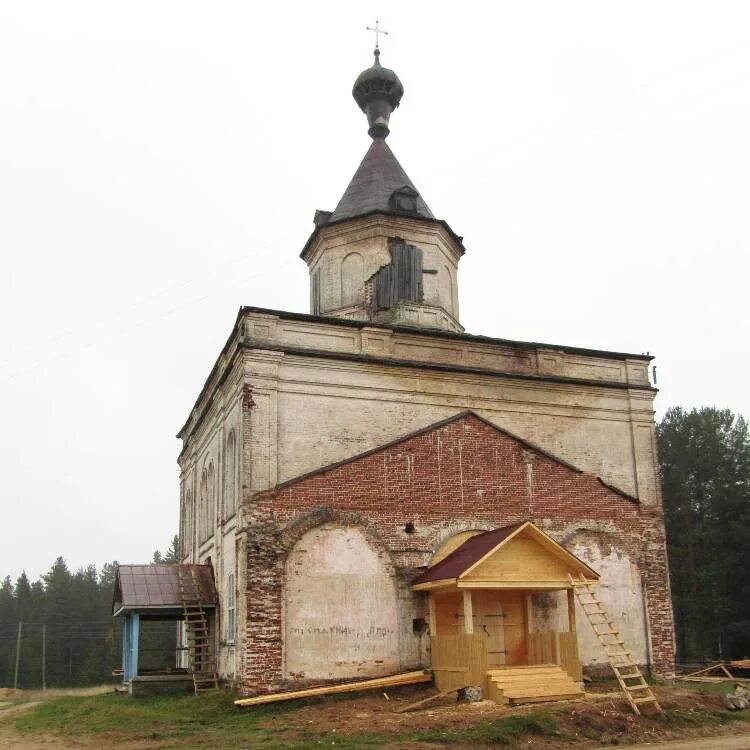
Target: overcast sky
[{"x": 160, "y": 164}]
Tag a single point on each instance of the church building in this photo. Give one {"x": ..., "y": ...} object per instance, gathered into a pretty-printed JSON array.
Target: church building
[{"x": 348, "y": 473}]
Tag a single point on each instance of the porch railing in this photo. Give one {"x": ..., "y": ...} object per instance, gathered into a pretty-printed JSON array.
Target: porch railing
[{"x": 459, "y": 660}]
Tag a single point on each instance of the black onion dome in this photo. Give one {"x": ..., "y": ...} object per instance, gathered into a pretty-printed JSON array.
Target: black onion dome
[{"x": 378, "y": 92}]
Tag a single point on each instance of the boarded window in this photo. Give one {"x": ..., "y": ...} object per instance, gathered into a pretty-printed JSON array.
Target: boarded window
[{"x": 401, "y": 279}]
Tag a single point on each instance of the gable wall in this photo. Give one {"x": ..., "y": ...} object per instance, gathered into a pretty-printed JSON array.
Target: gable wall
[
  {"x": 299, "y": 413},
  {"x": 463, "y": 473},
  {"x": 521, "y": 559}
]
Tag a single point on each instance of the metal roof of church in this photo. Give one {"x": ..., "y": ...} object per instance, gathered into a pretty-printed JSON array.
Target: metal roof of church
[
  {"x": 377, "y": 178},
  {"x": 157, "y": 586}
]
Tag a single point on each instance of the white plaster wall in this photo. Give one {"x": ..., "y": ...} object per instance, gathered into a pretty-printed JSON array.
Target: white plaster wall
[
  {"x": 340, "y": 607},
  {"x": 620, "y": 591},
  {"x": 351, "y": 408},
  {"x": 369, "y": 239},
  {"x": 227, "y": 662},
  {"x": 310, "y": 412}
]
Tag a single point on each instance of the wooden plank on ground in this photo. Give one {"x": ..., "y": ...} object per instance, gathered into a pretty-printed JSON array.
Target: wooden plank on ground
[
  {"x": 740, "y": 664},
  {"x": 704, "y": 671},
  {"x": 406, "y": 678},
  {"x": 425, "y": 701}
]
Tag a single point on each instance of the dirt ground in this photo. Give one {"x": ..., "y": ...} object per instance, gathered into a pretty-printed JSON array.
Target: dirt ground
[
  {"x": 731, "y": 742},
  {"x": 604, "y": 712},
  {"x": 603, "y": 719}
]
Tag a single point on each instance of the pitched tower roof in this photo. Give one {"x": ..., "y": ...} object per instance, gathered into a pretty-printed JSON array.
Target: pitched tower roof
[
  {"x": 377, "y": 178},
  {"x": 380, "y": 184}
]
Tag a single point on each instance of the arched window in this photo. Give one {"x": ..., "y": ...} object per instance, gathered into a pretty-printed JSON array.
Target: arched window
[
  {"x": 203, "y": 507},
  {"x": 446, "y": 290},
  {"x": 352, "y": 279},
  {"x": 186, "y": 528},
  {"x": 230, "y": 477},
  {"x": 211, "y": 515}
]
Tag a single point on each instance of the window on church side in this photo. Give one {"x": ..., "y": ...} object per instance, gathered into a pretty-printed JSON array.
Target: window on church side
[
  {"x": 230, "y": 623},
  {"x": 230, "y": 478},
  {"x": 211, "y": 515},
  {"x": 203, "y": 507},
  {"x": 183, "y": 521},
  {"x": 187, "y": 538}
]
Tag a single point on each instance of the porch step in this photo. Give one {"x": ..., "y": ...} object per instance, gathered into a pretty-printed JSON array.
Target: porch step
[{"x": 532, "y": 684}]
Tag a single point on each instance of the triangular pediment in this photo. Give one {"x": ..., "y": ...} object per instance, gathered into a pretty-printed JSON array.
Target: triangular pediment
[{"x": 518, "y": 556}]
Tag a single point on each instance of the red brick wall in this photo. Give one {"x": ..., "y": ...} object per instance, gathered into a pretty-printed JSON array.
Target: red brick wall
[{"x": 461, "y": 473}]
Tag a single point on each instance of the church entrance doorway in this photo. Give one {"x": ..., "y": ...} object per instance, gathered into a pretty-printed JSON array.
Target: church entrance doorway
[{"x": 489, "y": 621}]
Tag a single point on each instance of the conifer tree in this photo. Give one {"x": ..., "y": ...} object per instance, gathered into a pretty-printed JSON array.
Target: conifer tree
[{"x": 705, "y": 467}]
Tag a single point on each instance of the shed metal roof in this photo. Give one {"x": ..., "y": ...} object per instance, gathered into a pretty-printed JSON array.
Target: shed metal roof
[{"x": 157, "y": 587}]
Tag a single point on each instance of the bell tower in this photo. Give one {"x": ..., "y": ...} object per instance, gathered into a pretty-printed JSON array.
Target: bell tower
[{"x": 381, "y": 255}]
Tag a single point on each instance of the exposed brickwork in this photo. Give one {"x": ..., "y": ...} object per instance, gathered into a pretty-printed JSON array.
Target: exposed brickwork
[{"x": 464, "y": 473}]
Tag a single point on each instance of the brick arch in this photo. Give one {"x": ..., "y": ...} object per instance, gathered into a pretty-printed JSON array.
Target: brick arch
[
  {"x": 607, "y": 531},
  {"x": 300, "y": 525},
  {"x": 335, "y": 556},
  {"x": 443, "y": 533}
]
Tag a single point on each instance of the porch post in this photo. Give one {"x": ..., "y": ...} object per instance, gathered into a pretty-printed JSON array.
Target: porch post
[
  {"x": 529, "y": 613},
  {"x": 433, "y": 615},
  {"x": 571, "y": 610},
  {"x": 130, "y": 647},
  {"x": 468, "y": 613},
  {"x": 125, "y": 646}
]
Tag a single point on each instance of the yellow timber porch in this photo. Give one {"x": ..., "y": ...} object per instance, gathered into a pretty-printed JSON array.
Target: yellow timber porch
[{"x": 482, "y": 602}]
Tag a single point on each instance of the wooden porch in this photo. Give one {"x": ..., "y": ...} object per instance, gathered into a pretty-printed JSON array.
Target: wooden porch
[{"x": 482, "y": 600}]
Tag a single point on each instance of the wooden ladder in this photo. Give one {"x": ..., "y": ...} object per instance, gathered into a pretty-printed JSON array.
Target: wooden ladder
[
  {"x": 201, "y": 657},
  {"x": 620, "y": 658}
]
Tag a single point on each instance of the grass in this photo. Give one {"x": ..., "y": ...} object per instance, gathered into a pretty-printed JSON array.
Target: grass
[
  {"x": 503, "y": 732},
  {"x": 209, "y": 717},
  {"x": 213, "y": 721}
]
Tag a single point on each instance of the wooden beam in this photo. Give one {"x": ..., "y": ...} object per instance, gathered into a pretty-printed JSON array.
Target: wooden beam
[
  {"x": 529, "y": 612},
  {"x": 433, "y": 614},
  {"x": 558, "y": 585},
  {"x": 571, "y": 611},
  {"x": 443, "y": 583},
  {"x": 426, "y": 701},
  {"x": 468, "y": 613},
  {"x": 407, "y": 678}
]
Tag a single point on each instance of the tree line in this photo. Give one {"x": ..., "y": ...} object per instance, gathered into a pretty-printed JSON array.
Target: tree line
[
  {"x": 68, "y": 636},
  {"x": 63, "y": 624},
  {"x": 705, "y": 470}
]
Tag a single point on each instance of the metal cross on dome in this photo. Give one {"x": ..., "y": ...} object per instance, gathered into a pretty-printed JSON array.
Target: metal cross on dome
[{"x": 377, "y": 31}]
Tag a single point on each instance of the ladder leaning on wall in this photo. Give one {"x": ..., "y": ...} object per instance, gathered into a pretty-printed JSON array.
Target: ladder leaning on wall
[
  {"x": 620, "y": 658},
  {"x": 201, "y": 656}
]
